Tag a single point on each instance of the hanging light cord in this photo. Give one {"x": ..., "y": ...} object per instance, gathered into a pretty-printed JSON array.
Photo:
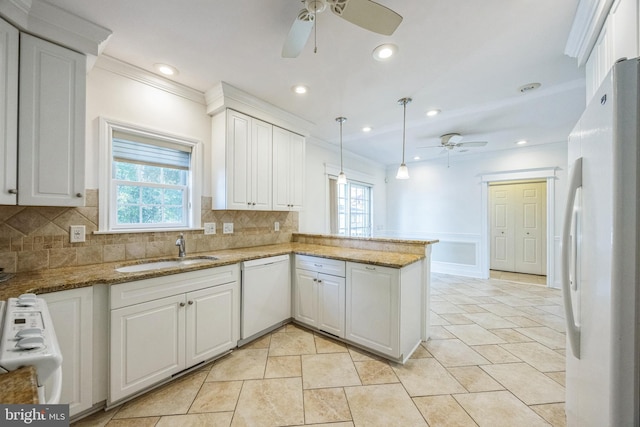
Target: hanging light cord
[
  {"x": 341, "y": 145},
  {"x": 404, "y": 102},
  {"x": 315, "y": 32},
  {"x": 404, "y": 126}
]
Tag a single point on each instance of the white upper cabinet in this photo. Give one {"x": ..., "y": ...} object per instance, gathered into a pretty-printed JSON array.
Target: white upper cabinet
[
  {"x": 288, "y": 170},
  {"x": 242, "y": 159},
  {"x": 618, "y": 38},
  {"x": 42, "y": 121},
  {"x": 9, "y": 42},
  {"x": 51, "y": 124}
]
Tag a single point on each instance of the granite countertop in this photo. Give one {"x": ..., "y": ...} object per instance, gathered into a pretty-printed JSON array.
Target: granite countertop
[
  {"x": 59, "y": 279},
  {"x": 19, "y": 386}
]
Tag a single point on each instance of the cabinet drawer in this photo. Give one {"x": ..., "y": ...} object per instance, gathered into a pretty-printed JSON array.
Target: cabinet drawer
[
  {"x": 125, "y": 294},
  {"x": 321, "y": 265}
]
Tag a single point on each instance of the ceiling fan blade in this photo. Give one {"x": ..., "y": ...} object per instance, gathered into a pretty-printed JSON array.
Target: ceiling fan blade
[
  {"x": 472, "y": 144},
  {"x": 298, "y": 34},
  {"x": 368, "y": 14},
  {"x": 431, "y": 146}
]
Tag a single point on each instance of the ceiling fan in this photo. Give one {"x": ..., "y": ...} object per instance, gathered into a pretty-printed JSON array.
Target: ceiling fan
[
  {"x": 366, "y": 14},
  {"x": 453, "y": 142}
]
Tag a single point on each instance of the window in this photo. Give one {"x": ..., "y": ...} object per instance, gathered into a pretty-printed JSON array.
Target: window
[
  {"x": 149, "y": 179},
  {"x": 351, "y": 210}
]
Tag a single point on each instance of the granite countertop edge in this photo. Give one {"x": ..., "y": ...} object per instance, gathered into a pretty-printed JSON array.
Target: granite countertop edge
[{"x": 65, "y": 278}]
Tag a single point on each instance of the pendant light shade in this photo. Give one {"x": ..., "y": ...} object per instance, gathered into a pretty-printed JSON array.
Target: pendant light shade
[
  {"x": 403, "y": 170},
  {"x": 342, "y": 178}
]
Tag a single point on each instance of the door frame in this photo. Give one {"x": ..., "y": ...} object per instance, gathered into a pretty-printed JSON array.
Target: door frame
[{"x": 549, "y": 176}]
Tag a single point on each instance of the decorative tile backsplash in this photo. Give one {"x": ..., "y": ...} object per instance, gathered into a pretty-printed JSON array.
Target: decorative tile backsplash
[{"x": 37, "y": 238}]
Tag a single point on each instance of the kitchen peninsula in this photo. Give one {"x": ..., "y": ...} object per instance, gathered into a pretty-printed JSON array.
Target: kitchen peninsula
[{"x": 407, "y": 293}]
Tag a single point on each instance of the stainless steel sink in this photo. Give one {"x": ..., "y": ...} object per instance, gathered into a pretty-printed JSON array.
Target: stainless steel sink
[{"x": 160, "y": 264}]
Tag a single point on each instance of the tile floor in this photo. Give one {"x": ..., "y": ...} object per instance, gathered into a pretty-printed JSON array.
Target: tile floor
[{"x": 495, "y": 358}]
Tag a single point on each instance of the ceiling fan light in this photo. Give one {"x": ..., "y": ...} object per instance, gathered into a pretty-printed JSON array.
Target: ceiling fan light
[
  {"x": 384, "y": 52},
  {"x": 342, "y": 178},
  {"x": 403, "y": 172}
]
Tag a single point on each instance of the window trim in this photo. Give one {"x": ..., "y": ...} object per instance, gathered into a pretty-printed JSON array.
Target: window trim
[
  {"x": 332, "y": 171},
  {"x": 107, "y": 127}
]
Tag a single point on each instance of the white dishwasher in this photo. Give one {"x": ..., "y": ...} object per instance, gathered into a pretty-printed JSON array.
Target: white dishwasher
[{"x": 266, "y": 296}]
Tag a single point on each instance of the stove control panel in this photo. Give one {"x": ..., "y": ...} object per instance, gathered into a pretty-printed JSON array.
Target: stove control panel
[{"x": 28, "y": 337}]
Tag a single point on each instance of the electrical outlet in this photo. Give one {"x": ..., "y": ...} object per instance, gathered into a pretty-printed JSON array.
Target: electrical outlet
[
  {"x": 227, "y": 228},
  {"x": 276, "y": 226},
  {"x": 77, "y": 233},
  {"x": 209, "y": 228}
]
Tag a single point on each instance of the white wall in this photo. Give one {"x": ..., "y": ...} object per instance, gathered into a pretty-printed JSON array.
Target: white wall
[
  {"x": 117, "y": 92},
  {"x": 315, "y": 216},
  {"x": 446, "y": 203}
]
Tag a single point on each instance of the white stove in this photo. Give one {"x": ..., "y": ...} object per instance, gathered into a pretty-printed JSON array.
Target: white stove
[{"x": 27, "y": 338}]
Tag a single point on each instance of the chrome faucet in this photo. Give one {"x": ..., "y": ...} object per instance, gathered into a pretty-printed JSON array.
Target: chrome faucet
[{"x": 181, "y": 244}]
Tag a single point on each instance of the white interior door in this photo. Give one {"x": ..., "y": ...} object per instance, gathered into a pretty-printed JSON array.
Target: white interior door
[
  {"x": 518, "y": 225},
  {"x": 530, "y": 228}
]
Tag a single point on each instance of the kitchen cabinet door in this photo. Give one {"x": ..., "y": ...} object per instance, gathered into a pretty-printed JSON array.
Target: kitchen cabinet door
[
  {"x": 331, "y": 304},
  {"x": 147, "y": 344},
  {"x": 212, "y": 322},
  {"x": 248, "y": 166},
  {"x": 288, "y": 170},
  {"x": 305, "y": 305},
  {"x": 9, "y": 42},
  {"x": 372, "y": 314},
  {"x": 51, "y": 124},
  {"x": 72, "y": 315}
]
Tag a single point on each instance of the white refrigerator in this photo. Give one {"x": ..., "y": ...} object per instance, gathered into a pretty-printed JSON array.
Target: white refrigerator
[{"x": 601, "y": 258}]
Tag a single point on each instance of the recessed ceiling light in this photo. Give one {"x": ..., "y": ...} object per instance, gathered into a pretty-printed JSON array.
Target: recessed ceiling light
[
  {"x": 416, "y": 158},
  {"x": 521, "y": 142},
  {"x": 384, "y": 52},
  {"x": 166, "y": 69},
  {"x": 366, "y": 129},
  {"x": 529, "y": 87},
  {"x": 433, "y": 112},
  {"x": 300, "y": 89}
]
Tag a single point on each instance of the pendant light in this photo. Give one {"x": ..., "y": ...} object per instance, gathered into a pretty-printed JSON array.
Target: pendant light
[
  {"x": 342, "y": 178},
  {"x": 403, "y": 170}
]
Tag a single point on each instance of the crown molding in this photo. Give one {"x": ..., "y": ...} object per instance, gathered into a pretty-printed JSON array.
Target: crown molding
[
  {"x": 587, "y": 23},
  {"x": 52, "y": 23},
  {"x": 140, "y": 75},
  {"x": 223, "y": 96}
]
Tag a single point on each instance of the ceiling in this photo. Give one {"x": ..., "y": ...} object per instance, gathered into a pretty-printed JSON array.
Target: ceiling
[{"x": 466, "y": 58}]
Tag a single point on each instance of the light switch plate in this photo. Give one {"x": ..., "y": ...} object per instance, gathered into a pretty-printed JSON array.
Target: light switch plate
[
  {"x": 209, "y": 228},
  {"x": 227, "y": 228},
  {"x": 77, "y": 233}
]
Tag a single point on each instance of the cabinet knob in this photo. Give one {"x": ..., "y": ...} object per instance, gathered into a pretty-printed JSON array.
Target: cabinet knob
[
  {"x": 254, "y": 203},
  {"x": 78, "y": 195},
  {"x": 13, "y": 191},
  {"x": 371, "y": 268},
  {"x": 319, "y": 281},
  {"x": 182, "y": 304},
  {"x": 190, "y": 302}
]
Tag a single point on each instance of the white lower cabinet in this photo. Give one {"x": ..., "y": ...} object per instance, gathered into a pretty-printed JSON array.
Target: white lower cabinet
[
  {"x": 383, "y": 308},
  {"x": 205, "y": 308},
  {"x": 162, "y": 326},
  {"x": 72, "y": 315},
  {"x": 320, "y": 297}
]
